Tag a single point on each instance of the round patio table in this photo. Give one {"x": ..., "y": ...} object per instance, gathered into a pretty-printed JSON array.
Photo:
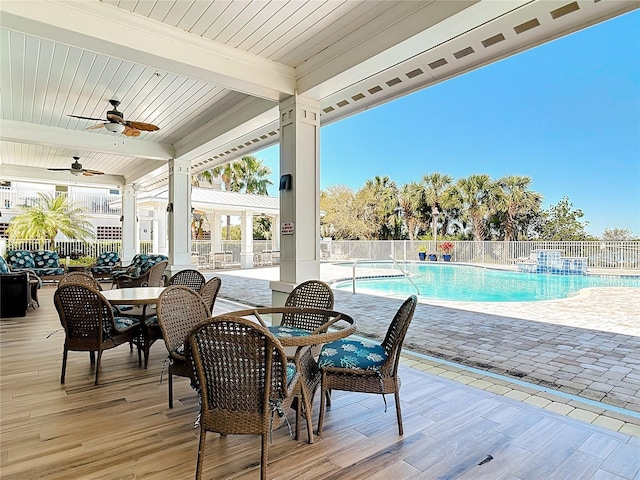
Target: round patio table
[{"x": 337, "y": 325}]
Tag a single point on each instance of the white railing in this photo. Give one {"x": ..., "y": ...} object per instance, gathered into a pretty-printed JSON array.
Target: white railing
[
  {"x": 92, "y": 204},
  {"x": 599, "y": 254}
]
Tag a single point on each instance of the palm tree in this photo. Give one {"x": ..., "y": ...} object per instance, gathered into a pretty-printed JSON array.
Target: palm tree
[
  {"x": 435, "y": 187},
  {"x": 475, "y": 193},
  {"x": 254, "y": 175},
  {"x": 515, "y": 201},
  {"x": 50, "y": 215},
  {"x": 411, "y": 201},
  {"x": 247, "y": 173}
]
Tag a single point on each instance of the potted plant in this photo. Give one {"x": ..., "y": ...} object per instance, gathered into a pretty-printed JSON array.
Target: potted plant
[
  {"x": 446, "y": 248},
  {"x": 422, "y": 253}
]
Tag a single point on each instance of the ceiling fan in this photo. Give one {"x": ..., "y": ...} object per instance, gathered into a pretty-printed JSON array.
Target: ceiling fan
[
  {"x": 76, "y": 169},
  {"x": 116, "y": 123}
]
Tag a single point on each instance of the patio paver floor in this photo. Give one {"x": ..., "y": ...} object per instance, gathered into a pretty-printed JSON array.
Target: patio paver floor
[{"x": 586, "y": 347}]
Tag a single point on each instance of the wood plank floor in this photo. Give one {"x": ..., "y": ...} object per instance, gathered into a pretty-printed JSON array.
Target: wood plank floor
[{"x": 123, "y": 428}]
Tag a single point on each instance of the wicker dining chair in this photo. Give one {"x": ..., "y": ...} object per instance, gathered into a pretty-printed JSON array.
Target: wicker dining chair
[
  {"x": 242, "y": 376},
  {"x": 179, "y": 309},
  {"x": 366, "y": 366},
  {"x": 89, "y": 324},
  {"x": 83, "y": 278},
  {"x": 209, "y": 292},
  {"x": 308, "y": 294},
  {"x": 189, "y": 278}
]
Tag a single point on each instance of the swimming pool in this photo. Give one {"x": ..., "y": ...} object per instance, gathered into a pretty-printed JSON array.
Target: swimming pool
[{"x": 477, "y": 284}]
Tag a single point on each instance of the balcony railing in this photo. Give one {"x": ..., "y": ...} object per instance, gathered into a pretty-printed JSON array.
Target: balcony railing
[{"x": 92, "y": 204}]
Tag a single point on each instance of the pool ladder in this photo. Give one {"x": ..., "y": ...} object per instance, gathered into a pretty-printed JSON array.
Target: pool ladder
[{"x": 406, "y": 274}]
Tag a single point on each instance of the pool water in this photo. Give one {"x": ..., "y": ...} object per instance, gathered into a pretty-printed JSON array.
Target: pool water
[{"x": 478, "y": 284}]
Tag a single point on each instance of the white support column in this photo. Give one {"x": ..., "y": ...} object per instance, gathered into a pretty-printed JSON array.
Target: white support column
[
  {"x": 275, "y": 233},
  {"x": 160, "y": 235},
  {"x": 246, "y": 235},
  {"x": 216, "y": 232},
  {"x": 179, "y": 218},
  {"x": 130, "y": 234},
  {"x": 299, "y": 206}
]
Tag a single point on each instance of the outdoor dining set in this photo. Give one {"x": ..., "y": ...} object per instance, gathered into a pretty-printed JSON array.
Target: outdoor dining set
[{"x": 249, "y": 367}]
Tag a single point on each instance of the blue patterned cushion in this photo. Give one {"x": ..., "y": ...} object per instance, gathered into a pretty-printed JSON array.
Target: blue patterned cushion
[
  {"x": 151, "y": 261},
  {"x": 20, "y": 259},
  {"x": 138, "y": 260},
  {"x": 122, "y": 323},
  {"x": 133, "y": 271},
  {"x": 151, "y": 321},
  {"x": 49, "y": 271},
  {"x": 354, "y": 354},
  {"x": 101, "y": 269},
  {"x": 46, "y": 259},
  {"x": 280, "y": 331},
  {"x": 291, "y": 371},
  {"x": 107, "y": 259},
  {"x": 4, "y": 268}
]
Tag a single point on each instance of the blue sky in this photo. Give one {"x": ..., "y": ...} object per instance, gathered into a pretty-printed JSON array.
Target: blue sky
[{"x": 566, "y": 114}]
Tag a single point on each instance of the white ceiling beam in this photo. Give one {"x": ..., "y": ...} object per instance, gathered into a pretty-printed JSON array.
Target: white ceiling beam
[
  {"x": 29, "y": 133},
  {"x": 42, "y": 175},
  {"x": 112, "y": 31},
  {"x": 245, "y": 116},
  {"x": 434, "y": 24}
]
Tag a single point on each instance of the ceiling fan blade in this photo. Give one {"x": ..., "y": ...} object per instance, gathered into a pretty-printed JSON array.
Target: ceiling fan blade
[
  {"x": 88, "y": 118},
  {"x": 131, "y": 132},
  {"x": 115, "y": 118},
  {"x": 58, "y": 169},
  {"x": 147, "y": 127},
  {"x": 93, "y": 127},
  {"x": 90, "y": 173}
]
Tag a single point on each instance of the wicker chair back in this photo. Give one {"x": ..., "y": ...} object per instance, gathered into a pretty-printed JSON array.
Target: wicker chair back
[
  {"x": 241, "y": 374},
  {"x": 189, "y": 278},
  {"x": 311, "y": 294},
  {"x": 209, "y": 292},
  {"x": 83, "y": 278}
]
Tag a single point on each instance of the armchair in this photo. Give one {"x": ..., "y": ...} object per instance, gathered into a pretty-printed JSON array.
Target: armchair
[
  {"x": 104, "y": 264},
  {"x": 144, "y": 271},
  {"x": 366, "y": 366},
  {"x": 151, "y": 278},
  {"x": 89, "y": 324},
  {"x": 243, "y": 379}
]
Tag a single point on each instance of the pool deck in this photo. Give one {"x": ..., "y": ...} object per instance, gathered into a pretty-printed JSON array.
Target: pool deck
[{"x": 578, "y": 356}]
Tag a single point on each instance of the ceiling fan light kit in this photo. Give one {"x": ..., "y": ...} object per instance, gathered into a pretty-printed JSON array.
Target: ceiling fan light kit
[{"x": 114, "y": 127}]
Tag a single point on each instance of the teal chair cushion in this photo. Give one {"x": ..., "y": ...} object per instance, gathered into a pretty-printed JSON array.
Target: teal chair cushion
[
  {"x": 353, "y": 354},
  {"x": 20, "y": 259},
  {"x": 46, "y": 259},
  {"x": 4, "y": 268},
  {"x": 280, "y": 331},
  {"x": 122, "y": 323},
  {"x": 107, "y": 259}
]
